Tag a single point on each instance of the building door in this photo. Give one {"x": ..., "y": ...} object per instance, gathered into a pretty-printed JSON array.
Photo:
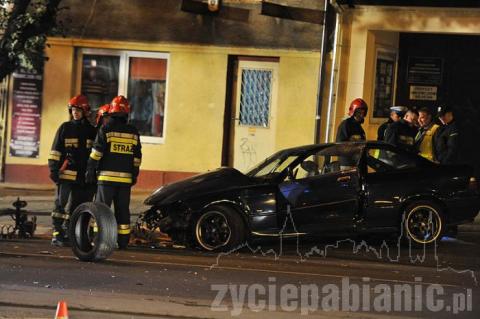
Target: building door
[
  {"x": 3, "y": 124},
  {"x": 254, "y": 108}
]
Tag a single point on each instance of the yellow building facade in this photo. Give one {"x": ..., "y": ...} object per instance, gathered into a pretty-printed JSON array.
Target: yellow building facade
[
  {"x": 195, "y": 105},
  {"x": 202, "y": 126}
]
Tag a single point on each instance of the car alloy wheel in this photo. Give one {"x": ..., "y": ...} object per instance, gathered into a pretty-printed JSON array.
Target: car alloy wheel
[
  {"x": 212, "y": 230},
  {"x": 423, "y": 224}
]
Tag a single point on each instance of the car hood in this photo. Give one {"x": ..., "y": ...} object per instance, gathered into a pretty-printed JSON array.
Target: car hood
[{"x": 220, "y": 179}]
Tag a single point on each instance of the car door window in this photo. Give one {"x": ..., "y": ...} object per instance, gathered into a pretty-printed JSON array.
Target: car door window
[
  {"x": 383, "y": 160},
  {"x": 326, "y": 161}
]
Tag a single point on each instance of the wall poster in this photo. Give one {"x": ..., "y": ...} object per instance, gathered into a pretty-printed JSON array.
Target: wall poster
[{"x": 26, "y": 114}]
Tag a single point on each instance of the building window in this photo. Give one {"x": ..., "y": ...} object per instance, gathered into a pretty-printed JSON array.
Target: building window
[
  {"x": 100, "y": 78},
  {"x": 140, "y": 76},
  {"x": 255, "y": 97},
  {"x": 146, "y": 89}
]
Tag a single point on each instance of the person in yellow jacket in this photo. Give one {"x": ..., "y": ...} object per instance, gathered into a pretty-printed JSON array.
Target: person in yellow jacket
[{"x": 424, "y": 137}]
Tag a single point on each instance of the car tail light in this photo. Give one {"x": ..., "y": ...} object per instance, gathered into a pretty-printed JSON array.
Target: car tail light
[{"x": 472, "y": 184}]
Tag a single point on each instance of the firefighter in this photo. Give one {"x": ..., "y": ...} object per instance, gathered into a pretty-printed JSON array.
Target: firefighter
[
  {"x": 351, "y": 128},
  {"x": 67, "y": 163},
  {"x": 424, "y": 137},
  {"x": 102, "y": 114},
  {"x": 115, "y": 163},
  {"x": 396, "y": 114},
  {"x": 446, "y": 138},
  {"x": 402, "y": 133}
]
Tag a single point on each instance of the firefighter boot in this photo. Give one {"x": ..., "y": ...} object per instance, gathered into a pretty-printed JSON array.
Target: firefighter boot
[
  {"x": 65, "y": 227},
  {"x": 123, "y": 241},
  {"x": 58, "y": 238}
]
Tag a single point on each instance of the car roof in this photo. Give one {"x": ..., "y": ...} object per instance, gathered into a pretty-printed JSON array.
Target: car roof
[{"x": 311, "y": 147}]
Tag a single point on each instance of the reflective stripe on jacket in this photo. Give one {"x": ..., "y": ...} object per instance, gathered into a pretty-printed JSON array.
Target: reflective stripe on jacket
[
  {"x": 70, "y": 150},
  {"x": 425, "y": 142},
  {"x": 116, "y": 153}
]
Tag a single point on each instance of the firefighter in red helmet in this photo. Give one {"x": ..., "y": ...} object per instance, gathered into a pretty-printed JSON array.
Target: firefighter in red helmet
[
  {"x": 115, "y": 163},
  {"x": 67, "y": 163},
  {"x": 351, "y": 128},
  {"x": 101, "y": 118}
]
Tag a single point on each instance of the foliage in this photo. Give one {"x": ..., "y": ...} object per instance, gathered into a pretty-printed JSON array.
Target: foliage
[{"x": 24, "y": 27}]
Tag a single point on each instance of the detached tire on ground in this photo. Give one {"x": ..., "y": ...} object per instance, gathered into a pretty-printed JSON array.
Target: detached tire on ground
[
  {"x": 93, "y": 231},
  {"x": 423, "y": 223},
  {"x": 219, "y": 228}
]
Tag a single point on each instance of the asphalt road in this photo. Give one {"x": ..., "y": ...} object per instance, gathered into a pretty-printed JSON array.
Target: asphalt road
[
  {"x": 328, "y": 278},
  {"x": 143, "y": 282}
]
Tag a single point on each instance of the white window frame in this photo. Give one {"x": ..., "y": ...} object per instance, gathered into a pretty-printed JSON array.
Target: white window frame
[{"x": 123, "y": 73}]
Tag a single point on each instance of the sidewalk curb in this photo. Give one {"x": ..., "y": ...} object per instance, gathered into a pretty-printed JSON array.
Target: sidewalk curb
[{"x": 51, "y": 187}]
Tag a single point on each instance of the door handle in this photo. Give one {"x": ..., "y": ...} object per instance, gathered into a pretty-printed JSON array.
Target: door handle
[{"x": 342, "y": 179}]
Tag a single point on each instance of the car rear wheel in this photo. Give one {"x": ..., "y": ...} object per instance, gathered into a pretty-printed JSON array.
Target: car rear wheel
[
  {"x": 219, "y": 228},
  {"x": 93, "y": 231},
  {"x": 423, "y": 222}
]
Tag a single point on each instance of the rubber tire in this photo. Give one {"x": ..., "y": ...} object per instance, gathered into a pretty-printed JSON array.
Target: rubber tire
[
  {"x": 407, "y": 238},
  {"x": 106, "y": 239},
  {"x": 235, "y": 222}
]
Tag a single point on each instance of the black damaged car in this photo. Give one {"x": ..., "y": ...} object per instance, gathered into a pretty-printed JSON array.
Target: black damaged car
[
  {"x": 319, "y": 189},
  {"x": 346, "y": 188}
]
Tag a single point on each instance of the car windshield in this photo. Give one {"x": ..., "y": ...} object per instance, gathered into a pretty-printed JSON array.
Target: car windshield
[
  {"x": 272, "y": 166},
  {"x": 345, "y": 156}
]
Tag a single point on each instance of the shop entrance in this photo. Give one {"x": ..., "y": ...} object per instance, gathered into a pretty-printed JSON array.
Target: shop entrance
[{"x": 439, "y": 69}]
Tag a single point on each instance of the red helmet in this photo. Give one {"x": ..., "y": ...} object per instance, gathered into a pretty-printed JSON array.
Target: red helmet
[
  {"x": 119, "y": 105},
  {"x": 79, "y": 101},
  {"x": 101, "y": 112},
  {"x": 357, "y": 104}
]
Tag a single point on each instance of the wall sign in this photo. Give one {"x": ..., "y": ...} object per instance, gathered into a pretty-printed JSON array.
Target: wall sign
[
  {"x": 26, "y": 114},
  {"x": 425, "y": 70},
  {"x": 423, "y": 93},
  {"x": 384, "y": 83}
]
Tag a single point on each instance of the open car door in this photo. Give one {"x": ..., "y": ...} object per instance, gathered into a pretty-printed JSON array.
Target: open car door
[{"x": 323, "y": 195}]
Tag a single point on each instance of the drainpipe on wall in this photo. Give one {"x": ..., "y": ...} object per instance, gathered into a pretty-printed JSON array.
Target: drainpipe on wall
[
  {"x": 333, "y": 74},
  {"x": 321, "y": 76}
]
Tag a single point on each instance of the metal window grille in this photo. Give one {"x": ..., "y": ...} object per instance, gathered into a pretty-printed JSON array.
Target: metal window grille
[{"x": 255, "y": 97}]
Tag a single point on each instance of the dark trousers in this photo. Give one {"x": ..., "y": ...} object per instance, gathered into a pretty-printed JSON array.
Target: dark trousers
[
  {"x": 120, "y": 196},
  {"x": 77, "y": 194}
]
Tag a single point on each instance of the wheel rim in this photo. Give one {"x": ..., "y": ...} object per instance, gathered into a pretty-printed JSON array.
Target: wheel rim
[
  {"x": 86, "y": 232},
  {"x": 423, "y": 224},
  {"x": 212, "y": 230}
]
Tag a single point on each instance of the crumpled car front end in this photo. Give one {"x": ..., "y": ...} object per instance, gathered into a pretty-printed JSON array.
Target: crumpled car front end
[{"x": 171, "y": 206}]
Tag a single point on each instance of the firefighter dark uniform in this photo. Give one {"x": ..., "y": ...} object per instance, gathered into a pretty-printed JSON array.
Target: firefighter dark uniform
[
  {"x": 67, "y": 163},
  {"x": 351, "y": 129},
  {"x": 445, "y": 144},
  {"x": 115, "y": 160},
  {"x": 401, "y": 134}
]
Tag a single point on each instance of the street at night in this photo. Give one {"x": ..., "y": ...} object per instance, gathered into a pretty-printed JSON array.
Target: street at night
[{"x": 145, "y": 282}]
